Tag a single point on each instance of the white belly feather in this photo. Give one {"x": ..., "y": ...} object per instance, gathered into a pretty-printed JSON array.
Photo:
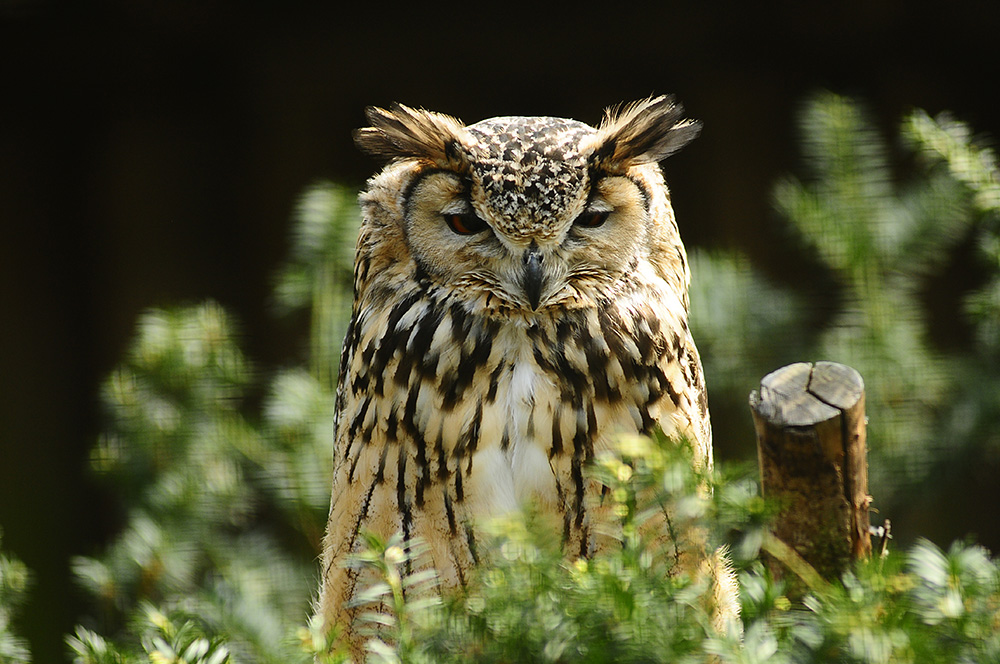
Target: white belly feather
[{"x": 514, "y": 468}]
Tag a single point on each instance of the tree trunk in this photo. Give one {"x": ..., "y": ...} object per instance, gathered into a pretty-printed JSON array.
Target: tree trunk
[{"x": 810, "y": 422}]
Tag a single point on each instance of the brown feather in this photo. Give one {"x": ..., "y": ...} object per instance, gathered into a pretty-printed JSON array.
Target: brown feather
[
  {"x": 643, "y": 132},
  {"x": 403, "y": 132}
]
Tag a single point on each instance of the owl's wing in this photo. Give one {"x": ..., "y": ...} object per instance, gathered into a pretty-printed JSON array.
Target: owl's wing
[{"x": 390, "y": 476}]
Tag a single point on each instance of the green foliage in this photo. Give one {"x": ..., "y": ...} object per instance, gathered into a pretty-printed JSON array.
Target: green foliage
[
  {"x": 163, "y": 640},
  {"x": 923, "y": 606},
  {"x": 200, "y": 480},
  {"x": 225, "y": 508},
  {"x": 409, "y": 595},
  {"x": 14, "y": 582},
  {"x": 878, "y": 240},
  {"x": 886, "y": 238},
  {"x": 741, "y": 323},
  {"x": 530, "y": 604},
  {"x": 318, "y": 278},
  {"x": 948, "y": 148}
]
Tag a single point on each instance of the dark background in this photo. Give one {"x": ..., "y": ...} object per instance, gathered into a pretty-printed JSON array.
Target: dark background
[{"x": 151, "y": 154}]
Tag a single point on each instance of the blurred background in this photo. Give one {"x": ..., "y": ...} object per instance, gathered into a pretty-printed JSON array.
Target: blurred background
[{"x": 152, "y": 154}]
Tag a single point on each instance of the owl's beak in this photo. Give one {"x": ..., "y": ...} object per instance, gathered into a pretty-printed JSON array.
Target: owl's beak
[{"x": 533, "y": 278}]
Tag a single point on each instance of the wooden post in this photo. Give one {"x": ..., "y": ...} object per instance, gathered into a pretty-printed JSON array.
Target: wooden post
[{"x": 810, "y": 422}]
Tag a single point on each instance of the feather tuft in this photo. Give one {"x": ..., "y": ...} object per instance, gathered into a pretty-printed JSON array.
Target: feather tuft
[
  {"x": 643, "y": 132},
  {"x": 402, "y": 132}
]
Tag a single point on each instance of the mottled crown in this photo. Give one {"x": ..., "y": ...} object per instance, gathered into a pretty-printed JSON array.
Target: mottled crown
[{"x": 531, "y": 169}]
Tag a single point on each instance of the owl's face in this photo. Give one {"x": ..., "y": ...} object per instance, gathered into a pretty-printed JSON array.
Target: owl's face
[{"x": 527, "y": 213}]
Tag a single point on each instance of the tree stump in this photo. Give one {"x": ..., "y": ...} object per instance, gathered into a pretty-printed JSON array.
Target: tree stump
[{"x": 810, "y": 423}]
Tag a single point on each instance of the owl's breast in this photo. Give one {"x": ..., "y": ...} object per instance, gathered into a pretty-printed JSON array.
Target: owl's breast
[
  {"x": 513, "y": 459},
  {"x": 505, "y": 411}
]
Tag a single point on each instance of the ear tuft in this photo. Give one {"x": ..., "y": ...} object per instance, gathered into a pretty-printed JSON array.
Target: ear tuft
[
  {"x": 402, "y": 132},
  {"x": 643, "y": 132}
]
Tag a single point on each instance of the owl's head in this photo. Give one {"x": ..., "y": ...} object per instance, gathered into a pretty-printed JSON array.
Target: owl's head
[{"x": 525, "y": 213}]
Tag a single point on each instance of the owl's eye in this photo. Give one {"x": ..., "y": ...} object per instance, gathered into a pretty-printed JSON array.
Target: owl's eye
[
  {"x": 591, "y": 219},
  {"x": 465, "y": 224}
]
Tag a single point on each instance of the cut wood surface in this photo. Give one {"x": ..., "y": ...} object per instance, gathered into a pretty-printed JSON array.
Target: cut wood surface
[{"x": 810, "y": 423}]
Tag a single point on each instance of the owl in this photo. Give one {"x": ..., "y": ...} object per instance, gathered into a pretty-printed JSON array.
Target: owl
[{"x": 520, "y": 299}]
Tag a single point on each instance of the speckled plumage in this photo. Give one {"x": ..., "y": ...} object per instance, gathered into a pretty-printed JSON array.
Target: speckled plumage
[
  {"x": 530, "y": 171},
  {"x": 484, "y": 369}
]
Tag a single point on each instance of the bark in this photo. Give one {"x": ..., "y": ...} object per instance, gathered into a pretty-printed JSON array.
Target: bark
[{"x": 810, "y": 423}]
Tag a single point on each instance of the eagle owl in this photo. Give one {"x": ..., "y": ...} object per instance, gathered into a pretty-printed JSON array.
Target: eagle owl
[{"x": 520, "y": 297}]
